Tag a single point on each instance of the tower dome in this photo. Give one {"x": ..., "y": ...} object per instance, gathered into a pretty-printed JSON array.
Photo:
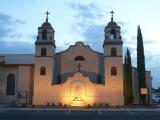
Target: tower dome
[
  {"x": 46, "y": 23},
  {"x": 112, "y": 24},
  {"x": 112, "y": 32},
  {"x": 46, "y": 31}
]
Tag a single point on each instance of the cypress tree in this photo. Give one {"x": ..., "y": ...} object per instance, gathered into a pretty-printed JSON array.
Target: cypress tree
[
  {"x": 125, "y": 81},
  {"x": 129, "y": 67},
  {"x": 141, "y": 64},
  {"x": 128, "y": 92}
]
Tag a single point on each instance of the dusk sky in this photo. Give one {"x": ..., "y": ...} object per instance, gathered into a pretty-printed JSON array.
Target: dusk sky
[{"x": 82, "y": 20}]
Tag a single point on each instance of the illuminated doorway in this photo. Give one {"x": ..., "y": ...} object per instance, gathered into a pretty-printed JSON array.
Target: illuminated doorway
[
  {"x": 77, "y": 93},
  {"x": 77, "y": 96}
]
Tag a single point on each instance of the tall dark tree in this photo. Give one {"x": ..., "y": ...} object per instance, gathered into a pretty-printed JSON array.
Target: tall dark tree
[
  {"x": 141, "y": 64},
  {"x": 125, "y": 81},
  {"x": 128, "y": 92}
]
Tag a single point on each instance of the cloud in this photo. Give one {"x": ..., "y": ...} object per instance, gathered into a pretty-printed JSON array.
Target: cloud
[
  {"x": 94, "y": 36},
  {"x": 92, "y": 32},
  {"x": 32, "y": 36},
  {"x": 121, "y": 23},
  {"x": 16, "y": 47},
  {"x": 8, "y": 26},
  {"x": 153, "y": 65},
  {"x": 86, "y": 12}
]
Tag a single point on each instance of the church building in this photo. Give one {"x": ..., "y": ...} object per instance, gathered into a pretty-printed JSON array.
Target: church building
[{"x": 77, "y": 76}]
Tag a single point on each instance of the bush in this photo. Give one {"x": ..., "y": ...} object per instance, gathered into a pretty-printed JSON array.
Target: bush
[
  {"x": 47, "y": 105},
  {"x": 88, "y": 105},
  {"x": 94, "y": 104},
  {"x": 106, "y": 105},
  {"x": 52, "y": 104},
  {"x": 60, "y": 104},
  {"x": 100, "y": 104}
]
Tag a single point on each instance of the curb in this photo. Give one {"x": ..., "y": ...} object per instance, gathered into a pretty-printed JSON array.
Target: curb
[{"x": 72, "y": 109}]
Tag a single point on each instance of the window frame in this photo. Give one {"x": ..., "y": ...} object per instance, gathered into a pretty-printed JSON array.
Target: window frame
[
  {"x": 113, "y": 52},
  {"x": 113, "y": 34},
  {"x": 79, "y": 58},
  {"x": 43, "y": 51},
  {"x": 11, "y": 84},
  {"x": 44, "y": 35},
  {"x": 42, "y": 70},
  {"x": 113, "y": 71}
]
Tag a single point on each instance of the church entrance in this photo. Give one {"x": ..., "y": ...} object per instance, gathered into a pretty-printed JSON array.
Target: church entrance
[
  {"x": 78, "y": 93},
  {"x": 77, "y": 90}
]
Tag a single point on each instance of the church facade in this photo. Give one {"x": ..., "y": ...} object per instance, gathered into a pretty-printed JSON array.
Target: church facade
[{"x": 77, "y": 76}]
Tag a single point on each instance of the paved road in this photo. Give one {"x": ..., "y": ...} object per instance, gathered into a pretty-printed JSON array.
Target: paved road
[{"x": 72, "y": 114}]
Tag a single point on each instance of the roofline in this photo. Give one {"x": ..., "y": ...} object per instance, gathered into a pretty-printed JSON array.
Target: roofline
[
  {"x": 15, "y": 54},
  {"x": 17, "y": 64},
  {"x": 75, "y": 45}
]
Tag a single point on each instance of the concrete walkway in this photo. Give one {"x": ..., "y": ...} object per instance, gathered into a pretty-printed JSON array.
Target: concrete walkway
[
  {"x": 79, "y": 109},
  {"x": 78, "y": 114}
]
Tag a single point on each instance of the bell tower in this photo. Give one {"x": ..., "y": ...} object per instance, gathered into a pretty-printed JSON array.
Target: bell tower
[
  {"x": 44, "y": 62},
  {"x": 45, "y": 43},
  {"x": 113, "y": 64}
]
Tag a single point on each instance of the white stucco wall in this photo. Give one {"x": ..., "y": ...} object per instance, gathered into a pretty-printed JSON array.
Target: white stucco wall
[
  {"x": 135, "y": 84},
  {"x": 45, "y": 92},
  {"x": 68, "y": 63},
  {"x": 22, "y": 81}
]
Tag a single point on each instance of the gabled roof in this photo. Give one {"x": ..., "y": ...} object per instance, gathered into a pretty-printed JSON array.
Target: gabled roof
[{"x": 25, "y": 59}]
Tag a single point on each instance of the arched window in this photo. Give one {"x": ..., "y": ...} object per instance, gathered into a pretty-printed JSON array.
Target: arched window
[
  {"x": 113, "y": 71},
  {"x": 43, "y": 51},
  {"x": 44, "y": 35},
  {"x": 113, "y": 51},
  {"x": 42, "y": 71},
  {"x": 79, "y": 58},
  {"x": 10, "y": 84},
  {"x": 113, "y": 34}
]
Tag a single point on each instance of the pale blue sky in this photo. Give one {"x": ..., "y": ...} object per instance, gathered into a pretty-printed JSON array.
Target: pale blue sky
[{"x": 82, "y": 20}]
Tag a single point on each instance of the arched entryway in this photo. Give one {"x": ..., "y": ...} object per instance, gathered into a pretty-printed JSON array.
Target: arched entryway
[{"x": 78, "y": 93}]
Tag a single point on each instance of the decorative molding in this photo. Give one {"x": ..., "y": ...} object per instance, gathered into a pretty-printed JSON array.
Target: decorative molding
[
  {"x": 8, "y": 65},
  {"x": 85, "y": 46},
  {"x": 113, "y": 56},
  {"x": 112, "y": 43},
  {"x": 72, "y": 74},
  {"x": 45, "y": 43},
  {"x": 43, "y": 56}
]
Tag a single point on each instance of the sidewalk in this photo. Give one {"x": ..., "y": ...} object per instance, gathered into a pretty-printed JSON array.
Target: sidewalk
[
  {"x": 4, "y": 105},
  {"x": 124, "y": 108},
  {"x": 80, "y": 109}
]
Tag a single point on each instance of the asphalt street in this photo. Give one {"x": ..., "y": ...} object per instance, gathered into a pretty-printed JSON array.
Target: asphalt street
[{"x": 75, "y": 114}]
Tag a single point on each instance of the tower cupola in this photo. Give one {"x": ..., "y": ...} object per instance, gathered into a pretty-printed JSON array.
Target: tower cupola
[
  {"x": 45, "y": 32},
  {"x": 112, "y": 32},
  {"x": 45, "y": 43}
]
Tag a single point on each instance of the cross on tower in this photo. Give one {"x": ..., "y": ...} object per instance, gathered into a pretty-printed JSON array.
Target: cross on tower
[
  {"x": 47, "y": 13},
  {"x": 112, "y": 15}
]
